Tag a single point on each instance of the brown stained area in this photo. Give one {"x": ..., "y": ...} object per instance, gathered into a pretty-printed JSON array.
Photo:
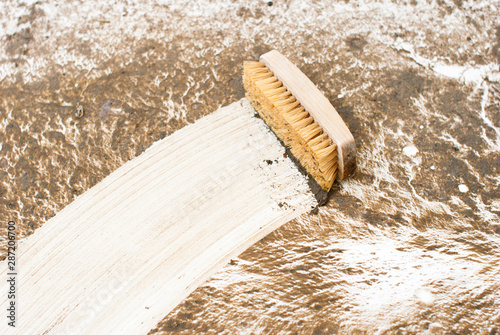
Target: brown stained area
[{"x": 140, "y": 72}]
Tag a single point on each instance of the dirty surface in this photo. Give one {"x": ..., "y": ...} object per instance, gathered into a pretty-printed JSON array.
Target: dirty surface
[{"x": 409, "y": 244}]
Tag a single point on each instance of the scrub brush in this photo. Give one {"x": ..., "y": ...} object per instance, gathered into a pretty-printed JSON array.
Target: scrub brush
[{"x": 301, "y": 117}]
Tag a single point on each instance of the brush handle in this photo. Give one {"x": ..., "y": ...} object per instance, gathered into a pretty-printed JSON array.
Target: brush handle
[{"x": 318, "y": 106}]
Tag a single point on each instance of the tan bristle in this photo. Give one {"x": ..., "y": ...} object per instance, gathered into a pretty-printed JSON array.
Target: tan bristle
[
  {"x": 292, "y": 123},
  {"x": 252, "y": 65},
  {"x": 310, "y": 132},
  {"x": 303, "y": 123},
  {"x": 263, "y": 75},
  {"x": 295, "y": 117},
  {"x": 278, "y": 94},
  {"x": 271, "y": 87},
  {"x": 320, "y": 146},
  {"x": 329, "y": 150},
  {"x": 263, "y": 82},
  {"x": 283, "y": 102},
  {"x": 293, "y": 107},
  {"x": 283, "y": 94}
]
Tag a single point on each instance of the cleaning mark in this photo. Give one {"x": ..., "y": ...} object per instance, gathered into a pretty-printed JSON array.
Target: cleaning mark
[{"x": 146, "y": 236}]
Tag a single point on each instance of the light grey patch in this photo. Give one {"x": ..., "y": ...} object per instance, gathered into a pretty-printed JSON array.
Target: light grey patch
[{"x": 106, "y": 108}]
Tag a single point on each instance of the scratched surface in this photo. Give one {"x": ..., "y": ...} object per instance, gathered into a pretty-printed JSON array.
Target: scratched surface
[{"x": 409, "y": 244}]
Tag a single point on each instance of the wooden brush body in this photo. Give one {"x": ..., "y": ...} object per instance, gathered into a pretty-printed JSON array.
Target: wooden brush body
[{"x": 302, "y": 117}]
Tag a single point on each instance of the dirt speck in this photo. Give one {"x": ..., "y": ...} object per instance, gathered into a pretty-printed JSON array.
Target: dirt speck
[{"x": 356, "y": 42}]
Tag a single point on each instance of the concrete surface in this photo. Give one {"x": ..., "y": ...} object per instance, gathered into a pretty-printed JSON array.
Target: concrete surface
[{"x": 417, "y": 82}]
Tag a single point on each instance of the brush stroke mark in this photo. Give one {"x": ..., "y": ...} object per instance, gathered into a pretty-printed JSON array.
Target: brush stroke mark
[{"x": 146, "y": 236}]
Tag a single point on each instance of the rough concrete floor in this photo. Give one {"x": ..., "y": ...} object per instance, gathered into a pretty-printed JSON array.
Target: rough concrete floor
[{"x": 417, "y": 82}]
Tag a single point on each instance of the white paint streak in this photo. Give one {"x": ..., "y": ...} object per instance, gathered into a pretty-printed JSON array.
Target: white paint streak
[
  {"x": 393, "y": 278},
  {"x": 494, "y": 143},
  {"x": 466, "y": 74},
  {"x": 126, "y": 252}
]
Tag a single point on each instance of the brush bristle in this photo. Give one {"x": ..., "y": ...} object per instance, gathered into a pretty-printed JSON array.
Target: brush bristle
[{"x": 298, "y": 130}]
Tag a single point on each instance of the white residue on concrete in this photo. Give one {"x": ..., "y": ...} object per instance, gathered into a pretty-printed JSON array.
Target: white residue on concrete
[
  {"x": 466, "y": 74},
  {"x": 410, "y": 150}
]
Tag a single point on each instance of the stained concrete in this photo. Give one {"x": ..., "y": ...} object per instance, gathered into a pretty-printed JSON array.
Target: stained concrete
[{"x": 421, "y": 75}]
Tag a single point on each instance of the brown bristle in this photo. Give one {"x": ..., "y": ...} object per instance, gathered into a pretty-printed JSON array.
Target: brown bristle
[{"x": 298, "y": 130}]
